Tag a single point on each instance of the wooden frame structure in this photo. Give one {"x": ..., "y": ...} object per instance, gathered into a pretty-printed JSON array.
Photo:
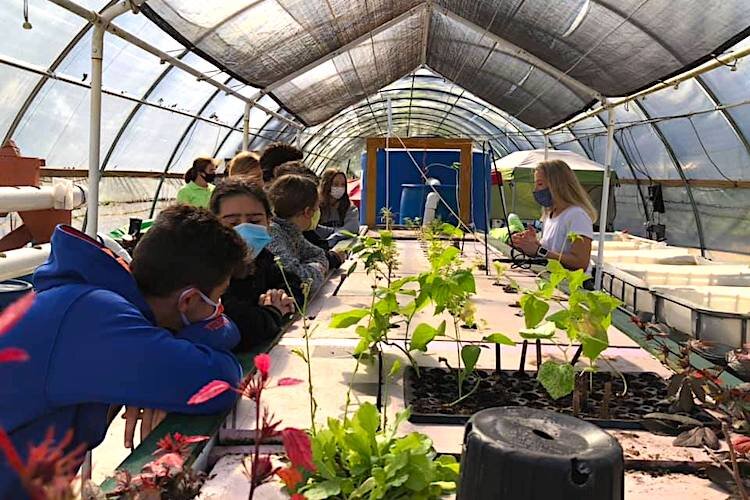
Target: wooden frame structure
[{"x": 464, "y": 175}]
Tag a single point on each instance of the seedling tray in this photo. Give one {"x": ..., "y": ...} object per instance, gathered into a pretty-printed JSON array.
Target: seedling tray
[{"x": 430, "y": 397}]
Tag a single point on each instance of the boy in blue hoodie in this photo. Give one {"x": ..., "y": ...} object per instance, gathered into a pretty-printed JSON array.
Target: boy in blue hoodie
[{"x": 99, "y": 335}]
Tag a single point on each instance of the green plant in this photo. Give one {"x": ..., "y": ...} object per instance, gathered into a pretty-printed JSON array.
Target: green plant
[
  {"x": 379, "y": 256},
  {"x": 585, "y": 320},
  {"x": 357, "y": 459}
]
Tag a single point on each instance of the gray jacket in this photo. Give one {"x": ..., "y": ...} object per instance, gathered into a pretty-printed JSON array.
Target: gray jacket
[
  {"x": 297, "y": 255},
  {"x": 331, "y": 223}
]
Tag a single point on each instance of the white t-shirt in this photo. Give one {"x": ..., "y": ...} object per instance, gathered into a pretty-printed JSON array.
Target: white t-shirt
[{"x": 555, "y": 230}]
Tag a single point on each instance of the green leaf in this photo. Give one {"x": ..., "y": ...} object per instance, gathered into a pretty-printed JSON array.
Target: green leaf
[
  {"x": 557, "y": 378},
  {"x": 323, "y": 490},
  {"x": 367, "y": 418},
  {"x": 533, "y": 310},
  {"x": 298, "y": 352},
  {"x": 544, "y": 331},
  {"x": 561, "y": 319},
  {"x": 470, "y": 356},
  {"x": 448, "y": 255},
  {"x": 395, "y": 367},
  {"x": 348, "y": 318},
  {"x": 594, "y": 340},
  {"x": 498, "y": 338},
  {"x": 576, "y": 279},
  {"x": 465, "y": 280},
  {"x": 423, "y": 334}
]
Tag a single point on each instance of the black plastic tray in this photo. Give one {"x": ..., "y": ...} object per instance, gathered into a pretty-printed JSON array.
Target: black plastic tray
[{"x": 646, "y": 394}]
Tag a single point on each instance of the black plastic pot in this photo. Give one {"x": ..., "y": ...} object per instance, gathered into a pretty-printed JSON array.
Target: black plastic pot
[{"x": 515, "y": 453}]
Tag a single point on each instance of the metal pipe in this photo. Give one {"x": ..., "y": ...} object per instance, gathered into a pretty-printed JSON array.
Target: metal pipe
[
  {"x": 723, "y": 60},
  {"x": 605, "y": 196},
  {"x": 246, "y": 127},
  {"x": 389, "y": 117},
  {"x": 94, "y": 17},
  {"x": 100, "y": 23}
]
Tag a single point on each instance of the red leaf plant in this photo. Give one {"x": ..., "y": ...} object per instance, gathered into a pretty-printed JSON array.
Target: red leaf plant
[
  {"x": 298, "y": 448},
  {"x": 166, "y": 476},
  {"x": 13, "y": 355},
  {"x": 48, "y": 470},
  {"x": 252, "y": 387}
]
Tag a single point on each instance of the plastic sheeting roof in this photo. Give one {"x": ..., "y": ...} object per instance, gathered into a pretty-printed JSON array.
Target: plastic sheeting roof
[{"x": 538, "y": 60}]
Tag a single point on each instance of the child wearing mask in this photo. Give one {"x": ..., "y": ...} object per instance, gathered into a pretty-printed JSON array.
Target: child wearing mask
[
  {"x": 198, "y": 183},
  {"x": 259, "y": 301},
  {"x": 294, "y": 199},
  {"x": 337, "y": 213},
  {"x": 98, "y": 334}
]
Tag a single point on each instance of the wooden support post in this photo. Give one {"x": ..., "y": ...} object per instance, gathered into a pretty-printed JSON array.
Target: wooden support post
[
  {"x": 372, "y": 182},
  {"x": 464, "y": 185}
]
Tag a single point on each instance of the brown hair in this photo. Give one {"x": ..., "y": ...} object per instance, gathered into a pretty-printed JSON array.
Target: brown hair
[
  {"x": 326, "y": 200},
  {"x": 274, "y": 155},
  {"x": 200, "y": 164},
  {"x": 291, "y": 194},
  {"x": 295, "y": 168},
  {"x": 186, "y": 246},
  {"x": 246, "y": 163},
  {"x": 237, "y": 186},
  {"x": 565, "y": 187}
]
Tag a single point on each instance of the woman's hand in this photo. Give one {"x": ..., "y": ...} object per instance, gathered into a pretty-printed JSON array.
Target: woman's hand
[
  {"x": 527, "y": 242},
  {"x": 279, "y": 300}
]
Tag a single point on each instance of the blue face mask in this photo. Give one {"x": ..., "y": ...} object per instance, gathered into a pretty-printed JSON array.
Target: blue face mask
[
  {"x": 543, "y": 197},
  {"x": 255, "y": 236}
]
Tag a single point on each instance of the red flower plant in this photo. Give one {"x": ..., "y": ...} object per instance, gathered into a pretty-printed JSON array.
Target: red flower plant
[
  {"x": 48, "y": 470},
  {"x": 291, "y": 476},
  {"x": 298, "y": 496},
  {"x": 263, "y": 364},
  {"x": 741, "y": 445}
]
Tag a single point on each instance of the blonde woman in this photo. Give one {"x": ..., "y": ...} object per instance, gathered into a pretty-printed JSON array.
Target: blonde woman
[
  {"x": 566, "y": 211},
  {"x": 247, "y": 165}
]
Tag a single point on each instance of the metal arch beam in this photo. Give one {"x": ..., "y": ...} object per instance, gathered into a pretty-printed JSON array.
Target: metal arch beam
[
  {"x": 489, "y": 106},
  {"x": 448, "y": 129},
  {"x": 488, "y": 130},
  {"x": 424, "y": 119},
  {"x": 698, "y": 78},
  {"x": 678, "y": 166},
  {"x": 476, "y": 126},
  {"x": 515, "y": 51},
  {"x": 50, "y": 69}
]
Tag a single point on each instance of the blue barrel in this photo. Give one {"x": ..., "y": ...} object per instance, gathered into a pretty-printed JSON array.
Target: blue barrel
[
  {"x": 12, "y": 290},
  {"x": 413, "y": 197}
]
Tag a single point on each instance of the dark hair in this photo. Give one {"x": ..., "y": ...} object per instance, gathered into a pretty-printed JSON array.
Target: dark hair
[
  {"x": 200, "y": 164},
  {"x": 274, "y": 155},
  {"x": 237, "y": 186},
  {"x": 326, "y": 200},
  {"x": 295, "y": 168},
  {"x": 291, "y": 194},
  {"x": 186, "y": 246}
]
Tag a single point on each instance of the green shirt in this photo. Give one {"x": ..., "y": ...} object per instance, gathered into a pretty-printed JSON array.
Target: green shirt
[{"x": 194, "y": 195}]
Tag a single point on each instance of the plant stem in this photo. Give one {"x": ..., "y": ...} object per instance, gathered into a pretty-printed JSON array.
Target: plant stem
[
  {"x": 406, "y": 353},
  {"x": 472, "y": 391},
  {"x": 349, "y": 389},
  {"x": 458, "y": 352},
  {"x": 256, "y": 451},
  {"x": 735, "y": 467}
]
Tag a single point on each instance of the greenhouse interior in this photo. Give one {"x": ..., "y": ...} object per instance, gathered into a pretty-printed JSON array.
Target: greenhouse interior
[{"x": 362, "y": 249}]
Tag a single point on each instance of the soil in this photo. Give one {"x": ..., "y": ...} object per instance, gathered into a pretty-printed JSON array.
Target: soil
[{"x": 430, "y": 396}]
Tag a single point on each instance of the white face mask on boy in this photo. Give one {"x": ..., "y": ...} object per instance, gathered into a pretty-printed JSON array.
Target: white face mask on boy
[{"x": 337, "y": 192}]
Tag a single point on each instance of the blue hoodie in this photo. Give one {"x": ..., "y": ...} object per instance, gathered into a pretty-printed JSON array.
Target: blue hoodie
[{"x": 92, "y": 342}]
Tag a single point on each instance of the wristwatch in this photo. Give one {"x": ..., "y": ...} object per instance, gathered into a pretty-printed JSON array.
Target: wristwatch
[{"x": 542, "y": 252}]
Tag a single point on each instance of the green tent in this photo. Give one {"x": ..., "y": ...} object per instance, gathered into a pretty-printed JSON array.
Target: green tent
[{"x": 517, "y": 171}]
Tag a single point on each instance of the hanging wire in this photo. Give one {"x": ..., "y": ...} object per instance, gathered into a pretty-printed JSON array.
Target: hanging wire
[
  {"x": 26, "y": 24},
  {"x": 705, "y": 151}
]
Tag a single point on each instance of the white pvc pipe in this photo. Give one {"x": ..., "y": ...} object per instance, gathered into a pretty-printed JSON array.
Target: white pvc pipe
[
  {"x": 17, "y": 263},
  {"x": 605, "y": 196},
  {"x": 95, "y": 122},
  {"x": 60, "y": 196},
  {"x": 387, "y": 159}
]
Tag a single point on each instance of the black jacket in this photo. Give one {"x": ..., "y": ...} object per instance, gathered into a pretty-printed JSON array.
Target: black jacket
[
  {"x": 257, "y": 323},
  {"x": 333, "y": 260}
]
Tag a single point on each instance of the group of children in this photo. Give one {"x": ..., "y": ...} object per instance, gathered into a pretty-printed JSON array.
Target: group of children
[{"x": 220, "y": 271}]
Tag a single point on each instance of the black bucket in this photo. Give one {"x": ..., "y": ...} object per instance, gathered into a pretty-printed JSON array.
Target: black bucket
[{"x": 522, "y": 453}]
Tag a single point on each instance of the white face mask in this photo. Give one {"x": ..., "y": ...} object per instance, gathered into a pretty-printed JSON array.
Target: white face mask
[{"x": 337, "y": 192}]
